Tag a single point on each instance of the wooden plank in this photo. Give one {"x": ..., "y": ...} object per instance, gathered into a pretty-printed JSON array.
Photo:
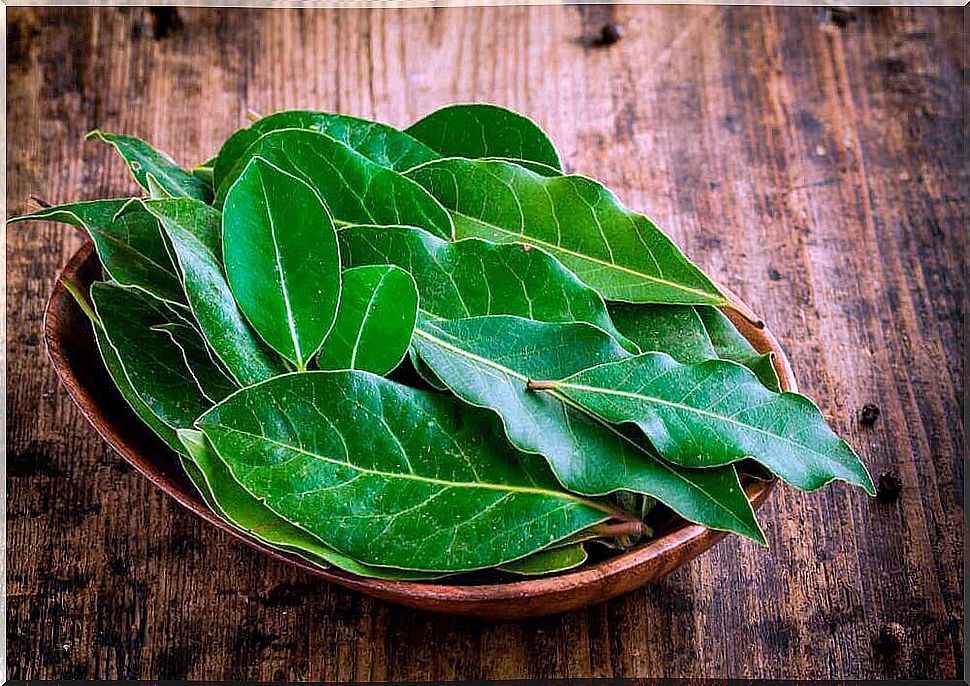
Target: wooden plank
[{"x": 813, "y": 167}]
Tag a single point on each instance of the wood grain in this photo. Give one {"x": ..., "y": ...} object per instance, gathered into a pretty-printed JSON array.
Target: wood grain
[{"x": 813, "y": 166}]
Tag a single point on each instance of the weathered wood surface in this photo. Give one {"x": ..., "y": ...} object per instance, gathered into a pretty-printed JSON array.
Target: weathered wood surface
[{"x": 813, "y": 164}]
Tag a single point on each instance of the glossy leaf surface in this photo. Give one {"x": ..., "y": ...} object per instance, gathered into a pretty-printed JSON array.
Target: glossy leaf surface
[
  {"x": 472, "y": 278},
  {"x": 357, "y": 190},
  {"x": 129, "y": 245},
  {"x": 375, "y": 320},
  {"x": 380, "y": 143},
  {"x": 241, "y": 509},
  {"x": 620, "y": 253},
  {"x": 483, "y": 130},
  {"x": 155, "y": 365},
  {"x": 488, "y": 361},
  {"x": 117, "y": 373},
  {"x": 433, "y": 490},
  {"x": 142, "y": 160},
  {"x": 558, "y": 559},
  {"x": 282, "y": 261},
  {"x": 691, "y": 334},
  {"x": 214, "y": 383},
  {"x": 715, "y": 413},
  {"x": 195, "y": 233}
]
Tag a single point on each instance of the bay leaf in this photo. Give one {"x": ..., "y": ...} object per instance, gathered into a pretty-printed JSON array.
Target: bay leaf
[
  {"x": 357, "y": 190},
  {"x": 214, "y": 383},
  {"x": 535, "y": 167},
  {"x": 282, "y": 260},
  {"x": 194, "y": 231},
  {"x": 204, "y": 172},
  {"x": 154, "y": 365},
  {"x": 382, "y": 144},
  {"x": 228, "y": 499},
  {"x": 715, "y": 413},
  {"x": 115, "y": 370},
  {"x": 489, "y": 361},
  {"x": 375, "y": 320},
  {"x": 142, "y": 160},
  {"x": 472, "y": 277},
  {"x": 691, "y": 334},
  {"x": 620, "y": 253},
  {"x": 129, "y": 245},
  {"x": 155, "y": 189},
  {"x": 433, "y": 490},
  {"x": 483, "y": 130},
  {"x": 553, "y": 560}
]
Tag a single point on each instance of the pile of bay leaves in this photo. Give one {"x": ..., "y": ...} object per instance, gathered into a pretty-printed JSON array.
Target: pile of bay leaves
[{"x": 411, "y": 354}]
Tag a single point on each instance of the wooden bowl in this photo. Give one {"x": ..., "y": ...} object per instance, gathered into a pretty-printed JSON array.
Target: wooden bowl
[{"x": 72, "y": 349}]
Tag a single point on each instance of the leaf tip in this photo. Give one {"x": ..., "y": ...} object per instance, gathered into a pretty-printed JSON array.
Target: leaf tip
[{"x": 81, "y": 300}]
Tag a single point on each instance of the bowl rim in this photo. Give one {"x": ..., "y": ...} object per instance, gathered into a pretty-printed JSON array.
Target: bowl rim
[{"x": 692, "y": 538}]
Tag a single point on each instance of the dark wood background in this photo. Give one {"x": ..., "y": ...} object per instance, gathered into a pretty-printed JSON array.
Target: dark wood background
[{"x": 813, "y": 162}]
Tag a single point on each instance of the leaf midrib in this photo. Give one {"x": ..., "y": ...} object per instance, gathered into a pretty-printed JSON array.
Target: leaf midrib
[
  {"x": 711, "y": 299},
  {"x": 283, "y": 287},
  {"x": 559, "y": 495},
  {"x": 571, "y": 403},
  {"x": 687, "y": 408}
]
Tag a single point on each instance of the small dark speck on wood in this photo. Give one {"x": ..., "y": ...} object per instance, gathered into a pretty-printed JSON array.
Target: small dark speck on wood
[
  {"x": 869, "y": 414},
  {"x": 608, "y": 35},
  {"x": 21, "y": 31},
  {"x": 840, "y": 16},
  {"x": 165, "y": 21},
  {"x": 888, "y": 488},
  {"x": 891, "y": 637}
]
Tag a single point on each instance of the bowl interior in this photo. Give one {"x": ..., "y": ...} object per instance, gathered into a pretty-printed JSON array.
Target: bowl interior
[{"x": 74, "y": 354}]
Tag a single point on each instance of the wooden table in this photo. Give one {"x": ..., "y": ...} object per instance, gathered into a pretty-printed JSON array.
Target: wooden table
[{"x": 811, "y": 162}]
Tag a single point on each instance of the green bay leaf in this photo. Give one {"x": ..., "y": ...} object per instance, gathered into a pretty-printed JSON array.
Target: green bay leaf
[
  {"x": 136, "y": 327},
  {"x": 375, "y": 320},
  {"x": 691, "y": 334},
  {"x": 194, "y": 231},
  {"x": 472, "y": 277},
  {"x": 432, "y": 491},
  {"x": 715, "y": 413},
  {"x": 356, "y": 190},
  {"x": 489, "y": 361},
  {"x": 228, "y": 499},
  {"x": 144, "y": 160},
  {"x": 620, "y": 253},
  {"x": 129, "y": 243},
  {"x": 214, "y": 383},
  {"x": 483, "y": 130},
  {"x": 117, "y": 373},
  {"x": 282, "y": 261},
  {"x": 558, "y": 559},
  {"x": 380, "y": 143}
]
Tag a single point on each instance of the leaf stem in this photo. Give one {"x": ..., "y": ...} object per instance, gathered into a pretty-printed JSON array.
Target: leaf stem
[{"x": 633, "y": 527}]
